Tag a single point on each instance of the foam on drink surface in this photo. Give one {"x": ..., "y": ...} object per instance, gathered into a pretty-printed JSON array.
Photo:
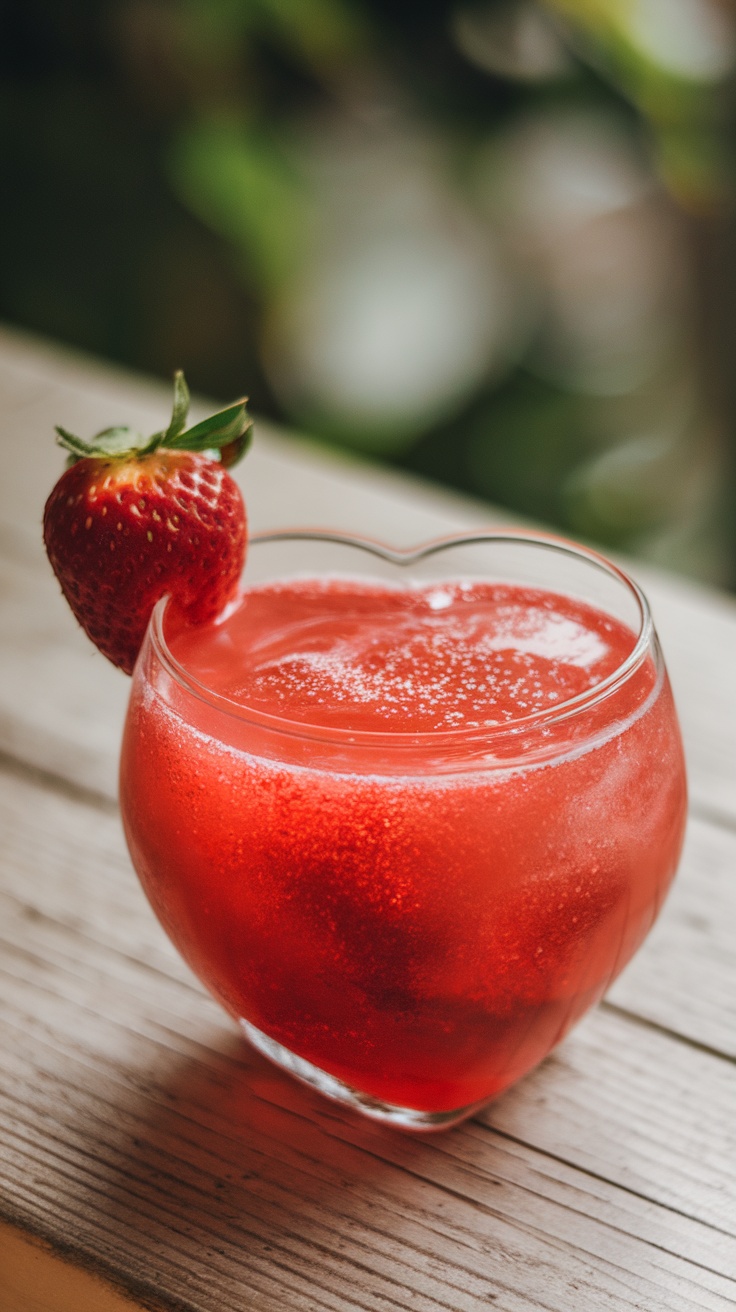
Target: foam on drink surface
[{"x": 366, "y": 656}]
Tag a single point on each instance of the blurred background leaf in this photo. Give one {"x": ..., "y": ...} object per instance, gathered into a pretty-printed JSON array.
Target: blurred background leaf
[{"x": 489, "y": 240}]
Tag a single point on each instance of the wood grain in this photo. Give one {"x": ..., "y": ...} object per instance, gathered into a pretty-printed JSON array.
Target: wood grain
[
  {"x": 135, "y": 1111},
  {"x": 148, "y": 1158}
]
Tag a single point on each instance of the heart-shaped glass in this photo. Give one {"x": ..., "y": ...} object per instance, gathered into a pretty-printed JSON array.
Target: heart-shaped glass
[{"x": 408, "y": 913}]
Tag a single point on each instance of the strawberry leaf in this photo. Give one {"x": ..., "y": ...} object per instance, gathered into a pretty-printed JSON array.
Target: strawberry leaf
[
  {"x": 228, "y": 432},
  {"x": 117, "y": 441},
  {"x": 74, "y": 445},
  {"x": 230, "y": 429},
  {"x": 180, "y": 411}
]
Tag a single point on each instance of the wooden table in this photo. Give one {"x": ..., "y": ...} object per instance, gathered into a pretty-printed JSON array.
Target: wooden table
[{"x": 149, "y": 1159}]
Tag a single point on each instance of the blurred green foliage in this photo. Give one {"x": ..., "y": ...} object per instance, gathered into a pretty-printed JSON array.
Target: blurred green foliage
[{"x": 489, "y": 240}]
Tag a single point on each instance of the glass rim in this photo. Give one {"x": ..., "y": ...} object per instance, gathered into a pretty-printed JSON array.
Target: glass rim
[{"x": 561, "y": 711}]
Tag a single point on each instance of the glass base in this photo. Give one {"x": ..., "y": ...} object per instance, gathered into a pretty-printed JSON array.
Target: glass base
[{"x": 401, "y": 1118}]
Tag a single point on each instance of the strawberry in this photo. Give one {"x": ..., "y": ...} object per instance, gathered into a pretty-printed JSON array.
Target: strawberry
[{"x": 133, "y": 518}]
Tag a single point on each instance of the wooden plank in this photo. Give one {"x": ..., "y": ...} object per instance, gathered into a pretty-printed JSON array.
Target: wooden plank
[
  {"x": 201, "y": 1163},
  {"x": 142, "y": 1133},
  {"x": 143, "y": 1139},
  {"x": 697, "y": 627},
  {"x": 685, "y": 982},
  {"x": 61, "y": 704}
]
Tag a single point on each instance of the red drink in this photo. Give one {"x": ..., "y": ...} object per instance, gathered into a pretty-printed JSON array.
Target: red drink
[{"x": 407, "y": 835}]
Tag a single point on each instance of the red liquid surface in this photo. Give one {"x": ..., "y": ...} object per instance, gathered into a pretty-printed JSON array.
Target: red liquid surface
[{"x": 423, "y": 925}]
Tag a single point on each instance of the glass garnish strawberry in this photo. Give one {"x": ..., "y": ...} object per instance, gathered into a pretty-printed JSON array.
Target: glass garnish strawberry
[{"x": 134, "y": 518}]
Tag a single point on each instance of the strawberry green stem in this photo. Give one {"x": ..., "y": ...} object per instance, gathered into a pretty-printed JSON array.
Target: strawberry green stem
[{"x": 228, "y": 432}]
